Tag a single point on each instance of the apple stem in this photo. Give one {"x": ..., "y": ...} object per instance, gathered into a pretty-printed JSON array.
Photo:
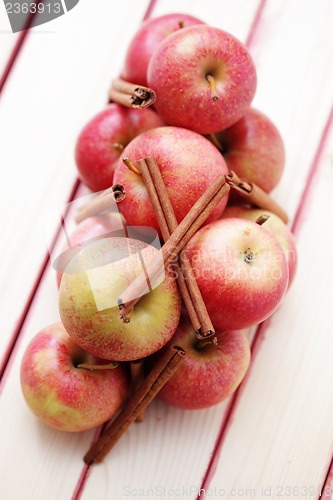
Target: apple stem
[
  {"x": 117, "y": 145},
  {"x": 109, "y": 366},
  {"x": 181, "y": 24},
  {"x": 130, "y": 166},
  {"x": 216, "y": 142},
  {"x": 262, "y": 219},
  {"x": 213, "y": 90},
  {"x": 204, "y": 342}
]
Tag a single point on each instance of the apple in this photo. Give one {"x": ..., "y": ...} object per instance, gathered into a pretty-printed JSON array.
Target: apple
[
  {"x": 275, "y": 226},
  {"x": 188, "y": 162},
  {"x": 210, "y": 374},
  {"x": 145, "y": 41},
  {"x": 89, "y": 298},
  {"x": 62, "y": 395},
  {"x": 180, "y": 69},
  {"x": 103, "y": 139},
  {"x": 253, "y": 148},
  {"x": 241, "y": 271},
  {"x": 92, "y": 227}
]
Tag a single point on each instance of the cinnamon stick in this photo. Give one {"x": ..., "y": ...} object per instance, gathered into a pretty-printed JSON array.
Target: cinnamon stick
[
  {"x": 203, "y": 215},
  {"x": 184, "y": 232},
  {"x": 262, "y": 219},
  {"x": 137, "y": 376},
  {"x": 206, "y": 327},
  {"x": 101, "y": 202},
  {"x": 131, "y": 95},
  {"x": 151, "y": 385},
  {"x": 256, "y": 196},
  {"x": 162, "y": 221}
]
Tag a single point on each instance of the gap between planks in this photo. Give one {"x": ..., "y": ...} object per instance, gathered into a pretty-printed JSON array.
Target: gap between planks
[
  {"x": 327, "y": 489},
  {"x": 17, "y": 48}
]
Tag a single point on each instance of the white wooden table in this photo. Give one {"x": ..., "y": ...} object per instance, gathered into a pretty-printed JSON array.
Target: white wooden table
[{"x": 275, "y": 437}]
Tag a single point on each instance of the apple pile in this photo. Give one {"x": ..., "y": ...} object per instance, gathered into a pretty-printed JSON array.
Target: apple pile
[{"x": 75, "y": 374}]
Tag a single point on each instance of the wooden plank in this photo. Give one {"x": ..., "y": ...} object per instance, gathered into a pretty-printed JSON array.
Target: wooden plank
[
  {"x": 40, "y": 117},
  {"x": 281, "y": 431},
  {"x": 294, "y": 87}
]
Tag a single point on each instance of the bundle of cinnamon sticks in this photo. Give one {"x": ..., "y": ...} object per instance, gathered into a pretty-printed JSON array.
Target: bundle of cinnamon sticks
[
  {"x": 131, "y": 95},
  {"x": 175, "y": 237}
]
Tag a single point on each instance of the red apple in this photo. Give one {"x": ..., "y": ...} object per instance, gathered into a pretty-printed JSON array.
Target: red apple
[
  {"x": 188, "y": 163},
  {"x": 241, "y": 270},
  {"x": 275, "y": 226},
  {"x": 145, "y": 41},
  {"x": 103, "y": 139},
  {"x": 62, "y": 395},
  {"x": 208, "y": 375},
  {"x": 89, "y": 298},
  {"x": 254, "y": 149},
  {"x": 93, "y": 227},
  {"x": 179, "y": 72}
]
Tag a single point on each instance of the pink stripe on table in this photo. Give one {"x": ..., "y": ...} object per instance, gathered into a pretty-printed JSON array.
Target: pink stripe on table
[
  {"x": 327, "y": 489},
  {"x": 18, "y": 47}
]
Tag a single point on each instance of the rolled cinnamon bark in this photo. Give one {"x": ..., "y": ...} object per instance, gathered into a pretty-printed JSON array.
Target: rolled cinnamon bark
[
  {"x": 103, "y": 201},
  {"x": 197, "y": 223},
  {"x": 206, "y": 327},
  {"x": 137, "y": 376},
  {"x": 256, "y": 196},
  {"x": 162, "y": 221},
  {"x": 131, "y": 95},
  {"x": 200, "y": 211},
  {"x": 151, "y": 385}
]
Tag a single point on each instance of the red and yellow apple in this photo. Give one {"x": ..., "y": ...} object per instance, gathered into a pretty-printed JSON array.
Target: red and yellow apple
[
  {"x": 89, "y": 299},
  {"x": 207, "y": 375},
  {"x": 188, "y": 162},
  {"x": 62, "y": 395},
  {"x": 275, "y": 226},
  {"x": 103, "y": 139},
  {"x": 180, "y": 69},
  {"x": 241, "y": 271},
  {"x": 147, "y": 39},
  {"x": 253, "y": 148}
]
